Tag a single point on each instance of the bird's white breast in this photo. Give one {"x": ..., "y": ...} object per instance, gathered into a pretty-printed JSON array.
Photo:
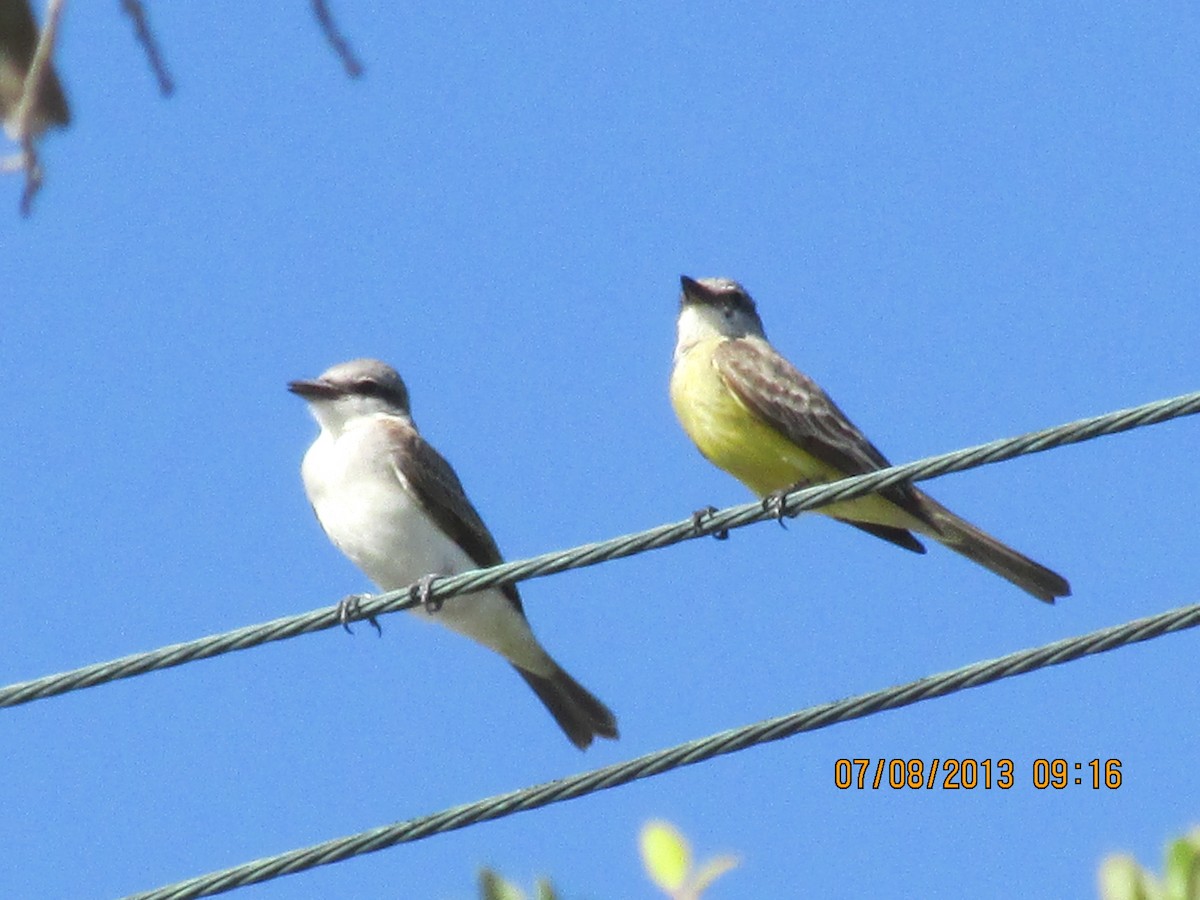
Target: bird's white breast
[{"x": 368, "y": 511}]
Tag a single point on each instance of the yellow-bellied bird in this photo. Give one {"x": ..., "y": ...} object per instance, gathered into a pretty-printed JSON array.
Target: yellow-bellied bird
[{"x": 753, "y": 414}]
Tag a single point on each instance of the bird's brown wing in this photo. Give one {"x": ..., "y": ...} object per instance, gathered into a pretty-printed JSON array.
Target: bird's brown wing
[
  {"x": 794, "y": 405},
  {"x": 435, "y": 484}
]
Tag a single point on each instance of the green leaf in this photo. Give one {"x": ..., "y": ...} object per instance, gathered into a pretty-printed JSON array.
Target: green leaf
[
  {"x": 1182, "y": 876},
  {"x": 1121, "y": 878},
  {"x": 666, "y": 855},
  {"x": 493, "y": 887}
]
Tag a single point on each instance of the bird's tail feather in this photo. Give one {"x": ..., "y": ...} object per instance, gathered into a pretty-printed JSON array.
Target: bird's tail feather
[
  {"x": 574, "y": 707},
  {"x": 978, "y": 546}
]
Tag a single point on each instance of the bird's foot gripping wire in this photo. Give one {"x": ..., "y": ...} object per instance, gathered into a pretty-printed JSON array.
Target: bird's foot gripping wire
[
  {"x": 348, "y": 609},
  {"x": 421, "y": 591},
  {"x": 773, "y": 502},
  {"x": 698, "y": 517}
]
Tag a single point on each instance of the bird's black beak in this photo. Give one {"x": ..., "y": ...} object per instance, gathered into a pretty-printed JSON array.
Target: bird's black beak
[
  {"x": 313, "y": 390},
  {"x": 694, "y": 291}
]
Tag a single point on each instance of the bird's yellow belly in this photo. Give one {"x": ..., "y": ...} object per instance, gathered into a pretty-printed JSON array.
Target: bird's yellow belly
[{"x": 735, "y": 439}]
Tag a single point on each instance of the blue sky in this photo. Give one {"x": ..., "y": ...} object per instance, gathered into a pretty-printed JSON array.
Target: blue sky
[{"x": 965, "y": 223}]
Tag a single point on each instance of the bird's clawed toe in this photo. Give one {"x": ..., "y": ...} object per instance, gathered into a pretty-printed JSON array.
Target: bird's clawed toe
[
  {"x": 347, "y": 609},
  {"x": 422, "y": 591},
  {"x": 773, "y": 503},
  {"x": 698, "y": 517}
]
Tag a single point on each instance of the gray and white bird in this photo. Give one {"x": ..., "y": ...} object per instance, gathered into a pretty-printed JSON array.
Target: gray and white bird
[{"x": 396, "y": 508}]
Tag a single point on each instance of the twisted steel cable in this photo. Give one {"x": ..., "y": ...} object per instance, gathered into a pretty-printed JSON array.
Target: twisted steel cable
[
  {"x": 603, "y": 551},
  {"x": 810, "y": 719}
]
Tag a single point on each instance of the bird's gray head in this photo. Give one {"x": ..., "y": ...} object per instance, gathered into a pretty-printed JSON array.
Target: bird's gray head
[
  {"x": 350, "y": 390},
  {"x": 715, "y": 307}
]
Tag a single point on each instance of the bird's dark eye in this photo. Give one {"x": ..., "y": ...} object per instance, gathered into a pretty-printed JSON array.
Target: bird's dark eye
[
  {"x": 728, "y": 311},
  {"x": 370, "y": 388}
]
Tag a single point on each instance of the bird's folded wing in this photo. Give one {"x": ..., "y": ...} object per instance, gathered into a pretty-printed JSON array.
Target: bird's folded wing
[
  {"x": 795, "y": 406},
  {"x": 434, "y": 483}
]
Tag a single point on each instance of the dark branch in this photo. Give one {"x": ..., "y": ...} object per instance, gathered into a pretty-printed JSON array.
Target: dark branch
[
  {"x": 334, "y": 37},
  {"x": 141, "y": 29}
]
